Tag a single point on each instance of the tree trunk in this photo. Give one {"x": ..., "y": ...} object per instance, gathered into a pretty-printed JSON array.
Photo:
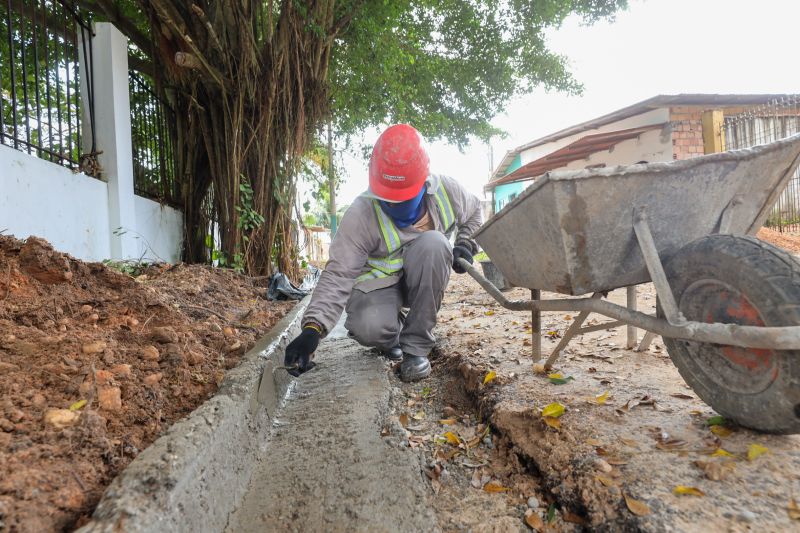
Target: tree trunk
[{"x": 249, "y": 83}]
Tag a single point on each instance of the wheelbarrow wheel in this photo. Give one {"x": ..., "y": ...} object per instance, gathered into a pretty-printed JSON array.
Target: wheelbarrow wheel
[{"x": 739, "y": 280}]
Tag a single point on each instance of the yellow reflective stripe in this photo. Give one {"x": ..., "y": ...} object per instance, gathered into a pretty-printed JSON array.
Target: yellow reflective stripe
[
  {"x": 372, "y": 274},
  {"x": 445, "y": 207},
  {"x": 390, "y": 235}
]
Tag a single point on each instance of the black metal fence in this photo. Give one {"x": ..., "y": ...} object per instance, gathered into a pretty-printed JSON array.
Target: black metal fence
[
  {"x": 41, "y": 110},
  {"x": 772, "y": 121},
  {"x": 152, "y": 132}
]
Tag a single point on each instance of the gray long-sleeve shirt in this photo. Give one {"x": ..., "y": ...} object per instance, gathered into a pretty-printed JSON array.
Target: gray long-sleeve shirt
[{"x": 359, "y": 237}]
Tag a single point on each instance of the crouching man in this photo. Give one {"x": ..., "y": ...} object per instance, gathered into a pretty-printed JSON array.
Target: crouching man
[{"x": 391, "y": 257}]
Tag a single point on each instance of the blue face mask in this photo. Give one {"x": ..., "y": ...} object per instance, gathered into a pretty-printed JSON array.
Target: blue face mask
[{"x": 405, "y": 213}]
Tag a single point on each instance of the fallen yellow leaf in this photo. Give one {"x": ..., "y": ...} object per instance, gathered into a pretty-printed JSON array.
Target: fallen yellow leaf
[
  {"x": 554, "y": 423},
  {"x": 489, "y": 312},
  {"x": 721, "y": 431},
  {"x": 691, "y": 491},
  {"x": 755, "y": 450},
  {"x": 533, "y": 520},
  {"x": 447, "y": 421},
  {"x": 607, "y": 481},
  {"x": 554, "y": 410},
  {"x": 452, "y": 438},
  {"x": 495, "y": 486},
  {"x": 719, "y": 452},
  {"x": 636, "y": 507},
  {"x": 601, "y": 399},
  {"x": 793, "y": 510},
  {"x": 77, "y": 405},
  {"x": 419, "y": 415},
  {"x": 490, "y": 376}
]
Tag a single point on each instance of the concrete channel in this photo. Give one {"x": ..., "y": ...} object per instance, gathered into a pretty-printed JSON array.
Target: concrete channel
[{"x": 269, "y": 453}]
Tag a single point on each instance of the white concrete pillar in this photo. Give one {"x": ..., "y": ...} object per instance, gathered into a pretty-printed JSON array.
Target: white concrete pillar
[{"x": 112, "y": 113}]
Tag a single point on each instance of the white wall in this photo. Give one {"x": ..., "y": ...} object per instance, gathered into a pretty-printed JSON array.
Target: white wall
[
  {"x": 159, "y": 230},
  {"x": 49, "y": 201},
  {"x": 71, "y": 211},
  {"x": 652, "y": 146}
]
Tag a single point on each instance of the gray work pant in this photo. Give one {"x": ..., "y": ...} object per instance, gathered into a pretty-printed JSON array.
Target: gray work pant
[{"x": 376, "y": 318}]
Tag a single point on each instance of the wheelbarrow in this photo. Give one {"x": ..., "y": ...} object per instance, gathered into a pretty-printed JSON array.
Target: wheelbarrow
[{"x": 728, "y": 304}]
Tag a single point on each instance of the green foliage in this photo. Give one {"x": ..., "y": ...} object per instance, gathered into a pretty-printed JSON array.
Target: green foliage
[
  {"x": 131, "y": 268},
  {"x": 48, "y": 74},
  {"x": 449, "y": 66}
]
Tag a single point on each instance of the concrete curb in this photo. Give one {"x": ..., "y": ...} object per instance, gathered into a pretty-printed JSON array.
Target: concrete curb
[{"x": 193, "y": 476}]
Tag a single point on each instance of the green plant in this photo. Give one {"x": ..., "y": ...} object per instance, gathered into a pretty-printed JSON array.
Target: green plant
[
  {"x": 481, "y": 256},
  {"x": 132, "y": 267}
]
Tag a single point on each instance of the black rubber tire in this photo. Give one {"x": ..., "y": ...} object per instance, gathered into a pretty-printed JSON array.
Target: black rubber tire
[{"x": 734, "y": 279}]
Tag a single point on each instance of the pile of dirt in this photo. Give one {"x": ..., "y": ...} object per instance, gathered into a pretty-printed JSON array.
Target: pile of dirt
[
  {"x": 95, "y": 364},
  {"x": 788, "y": 241}
]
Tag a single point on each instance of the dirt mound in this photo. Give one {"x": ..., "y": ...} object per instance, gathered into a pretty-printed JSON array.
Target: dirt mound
[{"x": 95, "y": 364}]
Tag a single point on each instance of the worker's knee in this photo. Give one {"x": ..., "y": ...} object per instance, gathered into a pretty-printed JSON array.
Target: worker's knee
[
  {"x": 432, "y": 245},
  {"x": 373, "y": 329}
]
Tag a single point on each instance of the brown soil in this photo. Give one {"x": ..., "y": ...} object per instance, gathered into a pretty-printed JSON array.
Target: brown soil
[
  {"x": 141, "y": 352},
  {"x": 788, "y": 241},
  {"x": 647, "y": 437}
]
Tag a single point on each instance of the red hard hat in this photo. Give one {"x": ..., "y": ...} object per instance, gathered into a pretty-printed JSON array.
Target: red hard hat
[{"x": 399, "y": 164}]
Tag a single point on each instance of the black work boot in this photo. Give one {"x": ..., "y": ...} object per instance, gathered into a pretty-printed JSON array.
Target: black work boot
[
  {"x": 395, "y": 355},
  {"x": 414, "y": 367}
]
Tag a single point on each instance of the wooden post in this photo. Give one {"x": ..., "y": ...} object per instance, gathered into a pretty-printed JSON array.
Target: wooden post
[{"x": 713, "y": 134}]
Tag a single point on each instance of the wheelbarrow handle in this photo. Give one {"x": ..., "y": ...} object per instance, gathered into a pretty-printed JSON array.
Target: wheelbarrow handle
[{"x": 776, "y": 338}]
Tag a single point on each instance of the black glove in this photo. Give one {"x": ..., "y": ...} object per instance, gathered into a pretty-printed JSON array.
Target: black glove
[
  {"x": 463, "y": 252},
  {"x": 300, "y": 351}
]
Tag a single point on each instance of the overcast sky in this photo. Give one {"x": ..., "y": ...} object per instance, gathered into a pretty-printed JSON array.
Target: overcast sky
[{"x": 655, "y": 47}]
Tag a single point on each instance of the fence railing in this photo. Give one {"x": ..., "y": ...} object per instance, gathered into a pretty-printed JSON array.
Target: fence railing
[
  {"x": 777, "y": 119},
  {"x": 152, "y": 139},
  {"x": 41, "y": 113}
]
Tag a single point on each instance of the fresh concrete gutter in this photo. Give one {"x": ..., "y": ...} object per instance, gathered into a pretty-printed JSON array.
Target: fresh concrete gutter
[{"x": 193, "y": 476}]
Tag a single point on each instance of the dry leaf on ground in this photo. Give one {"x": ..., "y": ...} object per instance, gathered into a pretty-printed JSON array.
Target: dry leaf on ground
[
  {"x": 553, "y": 422},
  {"x": 793, "y": 509},
  {"x": 756, "y": 450},
  {"x": 689, "y": 491},
  {"x": 495, "y": 486},
  {"x": 553, "y": 410},
  {"x": 533, "y": 520},
  {"x": 637, "y": 507},
  {"x": 490, "y": 376},
  {"x": 452, "y": 438}
]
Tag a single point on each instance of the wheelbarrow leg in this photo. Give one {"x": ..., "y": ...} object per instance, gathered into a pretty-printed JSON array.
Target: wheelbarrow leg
[
  {"x": 536, "y": 327},
  {"x": 646, "y": 341},
  {"x": 572, "y": 330},
  {"x": 632, "y": 332}
]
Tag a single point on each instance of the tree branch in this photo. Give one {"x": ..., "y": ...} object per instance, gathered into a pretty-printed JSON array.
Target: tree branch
[
  {"x": 141, "y": 65},
  {"x": 344, "y": 20},
  {"x": 124, "y": 24}
]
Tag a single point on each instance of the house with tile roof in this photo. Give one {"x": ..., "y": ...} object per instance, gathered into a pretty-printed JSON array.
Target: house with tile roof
[{"x": 662, "y": 128}]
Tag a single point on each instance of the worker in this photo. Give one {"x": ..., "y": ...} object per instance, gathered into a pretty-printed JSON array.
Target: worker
[{"x": 389, "y": 262}]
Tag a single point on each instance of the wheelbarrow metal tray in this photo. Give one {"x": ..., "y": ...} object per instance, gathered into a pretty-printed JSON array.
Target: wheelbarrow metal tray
[{"x": 572, "y": 231}]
